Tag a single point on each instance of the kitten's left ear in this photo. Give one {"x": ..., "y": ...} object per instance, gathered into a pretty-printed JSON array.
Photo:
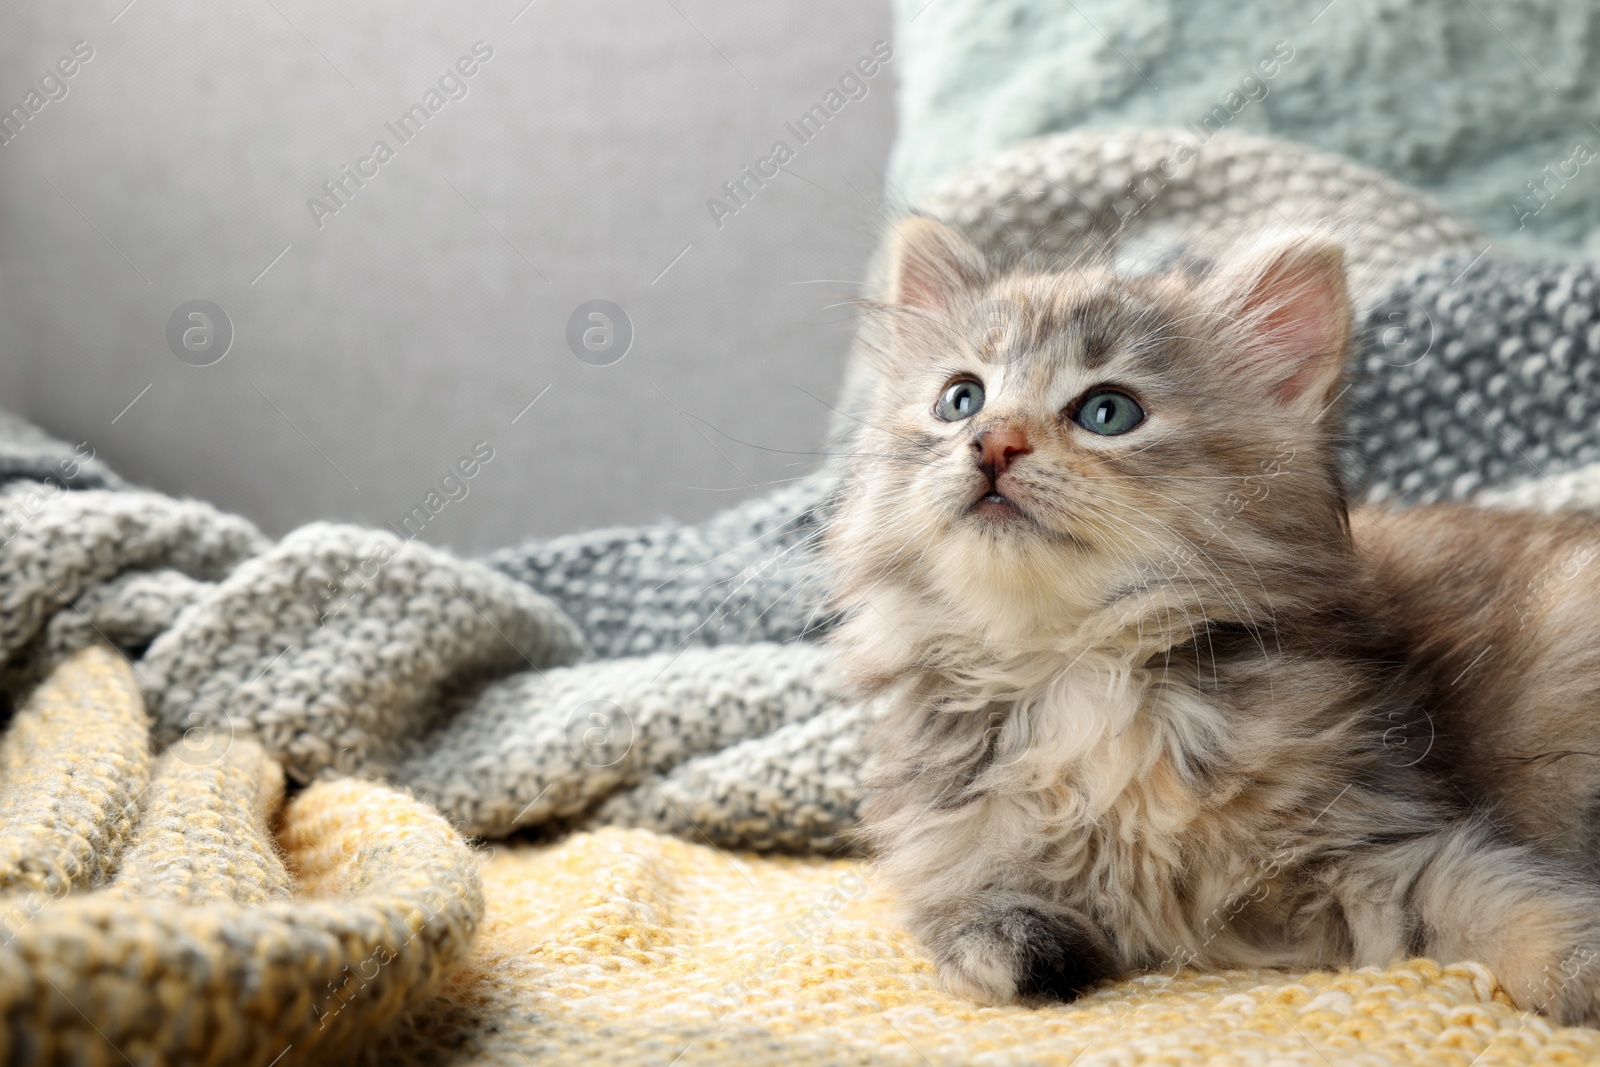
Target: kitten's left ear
[{"x": 1290, "y": 320}]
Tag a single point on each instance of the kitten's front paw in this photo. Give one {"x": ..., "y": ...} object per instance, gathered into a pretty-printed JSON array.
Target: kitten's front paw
[
  {"x": 1000, "y": 949},
  {"x": 974, "y": 971}
]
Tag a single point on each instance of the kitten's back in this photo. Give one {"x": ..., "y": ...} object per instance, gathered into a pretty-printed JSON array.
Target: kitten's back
[{"x": 1502, "y": 615}]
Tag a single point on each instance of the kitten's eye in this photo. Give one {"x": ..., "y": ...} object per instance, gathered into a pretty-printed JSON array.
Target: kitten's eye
[
  {"x": 962, "y": 400},
  {"x": 1109, "y": 413}
]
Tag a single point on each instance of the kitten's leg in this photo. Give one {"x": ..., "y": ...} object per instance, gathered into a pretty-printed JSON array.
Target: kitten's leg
[
  {"x": 1464, "y": 893},
  {"x": 996, "y": 946}
]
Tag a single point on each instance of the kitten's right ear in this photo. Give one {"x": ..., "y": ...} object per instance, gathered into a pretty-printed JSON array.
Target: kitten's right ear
[
  {"x": 1289, "y": 308},
  {"x": 931, "y": 265}
]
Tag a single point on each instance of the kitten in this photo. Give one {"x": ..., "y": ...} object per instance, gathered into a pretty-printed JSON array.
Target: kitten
[{"x": 1151, "y": 698}]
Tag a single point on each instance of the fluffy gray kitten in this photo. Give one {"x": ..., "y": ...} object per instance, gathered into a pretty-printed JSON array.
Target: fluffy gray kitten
[{"x": 1154, "y": 697}]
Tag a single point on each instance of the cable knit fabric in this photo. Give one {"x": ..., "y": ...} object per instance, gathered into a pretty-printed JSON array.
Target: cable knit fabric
[
  {"x": 742, "y": 577},
  {"x": 1065, "y": 196},
  {"x": 626, "y": 948},
  {"x": 148, "y": 910},
  {"x": 1481, "y": 379},
  {"x": 616, "y": 686}
]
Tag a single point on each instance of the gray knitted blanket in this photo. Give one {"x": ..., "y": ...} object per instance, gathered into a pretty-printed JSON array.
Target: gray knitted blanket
[{"x": 667, "y": 676}]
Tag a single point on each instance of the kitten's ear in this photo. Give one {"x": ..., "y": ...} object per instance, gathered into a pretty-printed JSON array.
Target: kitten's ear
[
  {"x": 931, "y": 265},
  {"x": 1290, "y": 320}
]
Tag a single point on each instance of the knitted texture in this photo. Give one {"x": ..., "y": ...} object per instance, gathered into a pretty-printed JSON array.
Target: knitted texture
[
  {"x": 348, "y": 651},
  {"x": 150, "y": 915},
  {"x": 1481, "y": 375},
  {"x": 623, "y": 947},
  {"x": 1059, "y": 197},
  {"x": 741, "y": 577},
  {"x": 227, "y": 854},
  {"x": 68, "y": 794}
]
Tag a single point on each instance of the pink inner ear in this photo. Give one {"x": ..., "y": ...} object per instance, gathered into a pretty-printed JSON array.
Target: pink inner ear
[
  {"x": 921, "y": 283},
  {"x": 1301, "y": 319}
]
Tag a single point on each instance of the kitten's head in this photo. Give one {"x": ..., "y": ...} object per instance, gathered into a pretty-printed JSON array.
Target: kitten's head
[{"x": 1049, "y": 452}]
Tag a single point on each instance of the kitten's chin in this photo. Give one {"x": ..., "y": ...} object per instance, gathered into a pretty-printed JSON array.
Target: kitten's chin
[{"x": 1012, "y": 581}]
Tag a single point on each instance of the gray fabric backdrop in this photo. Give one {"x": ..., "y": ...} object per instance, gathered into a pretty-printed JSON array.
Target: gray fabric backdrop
[{"x": 372, "y": 353}]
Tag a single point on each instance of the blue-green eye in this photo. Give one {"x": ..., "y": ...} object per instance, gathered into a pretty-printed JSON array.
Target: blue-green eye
[
  {"x": 962, "y": 400},
  {"x": 1109, "y": 413}
]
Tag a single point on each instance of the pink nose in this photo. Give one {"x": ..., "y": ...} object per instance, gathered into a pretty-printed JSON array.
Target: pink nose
[{"x": 998, "y": 446}]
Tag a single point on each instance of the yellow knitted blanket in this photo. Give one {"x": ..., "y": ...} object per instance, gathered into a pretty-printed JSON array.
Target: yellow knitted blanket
[
  {"x": 626, "y": 947},
  {"x": 160, "y": 909}
]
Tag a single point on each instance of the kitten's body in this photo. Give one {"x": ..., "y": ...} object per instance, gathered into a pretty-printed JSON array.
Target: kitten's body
[{"x": 1128, "y": 728}]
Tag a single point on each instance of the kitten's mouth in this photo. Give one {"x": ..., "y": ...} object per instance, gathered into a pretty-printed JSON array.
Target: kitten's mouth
[{"x": 996, "y": 506}]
